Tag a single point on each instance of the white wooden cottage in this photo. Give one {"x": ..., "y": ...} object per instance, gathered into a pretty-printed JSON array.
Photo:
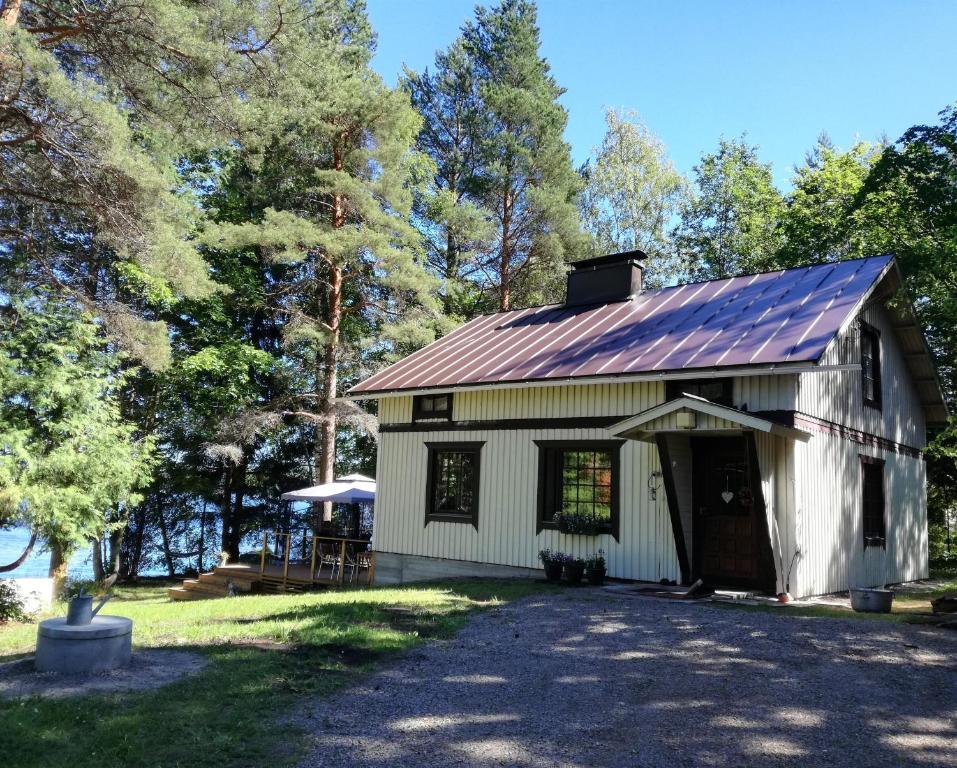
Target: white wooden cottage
[{"x": 761, "y": 432}]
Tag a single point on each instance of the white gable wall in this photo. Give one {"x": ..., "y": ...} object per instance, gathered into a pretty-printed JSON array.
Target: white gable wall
[{"x": 829, "y": 532}]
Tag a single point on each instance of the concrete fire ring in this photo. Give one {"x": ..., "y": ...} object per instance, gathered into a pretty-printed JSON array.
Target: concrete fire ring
[{"x": 104, "y": 644}]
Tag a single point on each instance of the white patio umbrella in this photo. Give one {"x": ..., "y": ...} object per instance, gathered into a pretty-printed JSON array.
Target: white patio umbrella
[{"x": 351, "y": 489}]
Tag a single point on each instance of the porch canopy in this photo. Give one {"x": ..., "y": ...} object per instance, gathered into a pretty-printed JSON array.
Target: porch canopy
[
  {"x": 350, "y": 489},
  {"x": 693, "y": 414}
]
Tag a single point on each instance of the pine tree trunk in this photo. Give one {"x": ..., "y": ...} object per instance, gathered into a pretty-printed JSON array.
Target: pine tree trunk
[
  {"x": 326, "y": 459},
  {"x": 58, "y": 568},
  {"x": 226, "y": 508},
  {"x": 164, "y": 535},
  {"x": 202, "y": 538},
  {"x": 238, "y": 511},
  {"x": 97, "y": 561},
  {"x": 505, "y": 255},
  {"x": 10, "y": 12}
]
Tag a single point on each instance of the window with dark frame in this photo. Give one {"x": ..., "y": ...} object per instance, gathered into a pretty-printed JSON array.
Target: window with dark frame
[
  {"x": 872, "y": 502},
  {"x": 871, "y": 365},
  {"x": 716, "y": 390},
  {"x": 452, "y": 483},
  {"x": 428, "y": 407},
  {"x": 579, "y": 477}
]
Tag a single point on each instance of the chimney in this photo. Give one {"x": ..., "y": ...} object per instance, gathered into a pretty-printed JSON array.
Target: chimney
[{"x": 616, "y": 277}]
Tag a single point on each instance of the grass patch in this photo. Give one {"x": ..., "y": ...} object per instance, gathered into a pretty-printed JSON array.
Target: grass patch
[
  {"x": 909, "y": 607},
  {"x": 268, "y": 652}
]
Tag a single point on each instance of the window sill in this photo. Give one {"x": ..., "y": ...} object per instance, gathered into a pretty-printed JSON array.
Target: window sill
[
  {"x": 451, "y": 518},
  {"x": 876, "y": 542},
  {"x": 609, "y": 531}
]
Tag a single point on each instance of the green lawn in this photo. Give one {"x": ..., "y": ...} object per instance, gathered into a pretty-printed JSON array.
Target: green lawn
[{"x": 267, "y": 654}]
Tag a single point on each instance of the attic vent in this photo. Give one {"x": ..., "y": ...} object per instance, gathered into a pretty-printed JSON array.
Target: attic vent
[{"x": 605, "y": 279}]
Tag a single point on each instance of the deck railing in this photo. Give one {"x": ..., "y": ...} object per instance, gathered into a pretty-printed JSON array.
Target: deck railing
[{"x": 345, "y": 553}]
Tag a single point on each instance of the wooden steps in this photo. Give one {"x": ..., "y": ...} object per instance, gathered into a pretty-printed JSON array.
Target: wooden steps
[{"x": 220, "y": 582}]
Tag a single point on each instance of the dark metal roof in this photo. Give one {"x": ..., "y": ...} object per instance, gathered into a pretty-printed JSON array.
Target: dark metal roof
[{"x": 788, "y": 316}]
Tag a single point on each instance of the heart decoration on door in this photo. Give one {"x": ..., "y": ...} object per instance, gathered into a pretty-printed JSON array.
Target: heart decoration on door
[{"x": 727, "y": 496}]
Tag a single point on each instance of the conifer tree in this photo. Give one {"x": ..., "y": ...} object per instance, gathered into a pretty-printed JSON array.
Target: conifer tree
[
  {"x": 494, "y": 131},
  {"x": 327, "y": 180}
]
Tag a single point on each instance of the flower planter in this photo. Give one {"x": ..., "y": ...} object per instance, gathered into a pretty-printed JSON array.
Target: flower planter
[
  {"x": 596, "y": 576},
  {"x": 553, "y": 571},
  {"x": 872, "y": 600},
  {"x": 574, "y": 572}
]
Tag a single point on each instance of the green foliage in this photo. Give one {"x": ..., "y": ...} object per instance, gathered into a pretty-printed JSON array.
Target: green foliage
[
  {"x": 494, "y": 132},
  {"x": 822, "y": 222},
  {"x": 67, "y": 457},
  {"x": 732, "y": 224},
  {"x": 632, "y": 192},
  {"x": 11, "y": 604}
]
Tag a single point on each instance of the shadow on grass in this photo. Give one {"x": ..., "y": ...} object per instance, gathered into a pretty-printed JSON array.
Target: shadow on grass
[
  {"x": 239, "y": 711},
  {"x": 225, "y": 715}
]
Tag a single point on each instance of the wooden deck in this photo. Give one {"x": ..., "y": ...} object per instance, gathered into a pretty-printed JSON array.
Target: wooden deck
[{"x": 271, "y": 576}]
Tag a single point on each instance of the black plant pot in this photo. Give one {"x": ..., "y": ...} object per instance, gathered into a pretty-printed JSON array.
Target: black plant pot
[
  {"x": 574, "y": 572},
  {"x": 553, "y": 571},
  {"x": 596, "y": 576}
]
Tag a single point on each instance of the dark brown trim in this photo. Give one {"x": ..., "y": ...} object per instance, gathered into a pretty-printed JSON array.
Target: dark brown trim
[
  {"x": 671, "y": 494},
  {"x": 675, "y": 388},
  {"x": 805, "y": 421},
  {"x": 418, "y": 414},
  {"x": 443, "y": 517},
  {"x": 583, "y": 422},
  {"x": 871, "y": 334},
  {"x": 545, "y": 447},
  {"x": 873, "y": 541},
  {"x": 766, "y": 575}
]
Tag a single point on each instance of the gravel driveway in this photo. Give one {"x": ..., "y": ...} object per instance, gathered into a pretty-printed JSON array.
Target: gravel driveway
[{"x": 597, "y": 678}]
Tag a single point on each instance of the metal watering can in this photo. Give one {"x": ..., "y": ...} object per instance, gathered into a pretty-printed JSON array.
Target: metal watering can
[{"x": 81, "y": 610}]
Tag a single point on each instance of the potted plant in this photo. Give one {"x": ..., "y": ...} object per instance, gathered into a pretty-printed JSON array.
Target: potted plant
[
  {"x": 574, "y": 569},
  {"x": 579, "y": 523},
  {"x": 553, "y": 562},
  {"x": 595, "y": 568}
]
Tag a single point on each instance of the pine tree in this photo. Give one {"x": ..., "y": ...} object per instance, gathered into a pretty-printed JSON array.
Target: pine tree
[
  {"x": 456, "y": 229},
  {"x": 98, "y": 104},
  {"x": 328, "y": 176},
  {"x": 494, "y": 131}
]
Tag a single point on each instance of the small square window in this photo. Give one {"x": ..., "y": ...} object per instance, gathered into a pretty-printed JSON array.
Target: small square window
[
  {"x": 716, "y": 390},
  {"x": 429, "y": 407}
]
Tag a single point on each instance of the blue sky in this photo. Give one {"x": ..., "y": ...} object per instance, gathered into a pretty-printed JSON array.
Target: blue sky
[{"x": 694, "y": 70}]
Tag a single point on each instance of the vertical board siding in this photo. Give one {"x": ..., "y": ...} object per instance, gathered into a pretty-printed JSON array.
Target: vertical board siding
[
  {"x": 508, "y": 486},
  {"x": 830, "y": 536},
  {"x": 508, "y": 497},
  {"x": 838, "y": 395}
]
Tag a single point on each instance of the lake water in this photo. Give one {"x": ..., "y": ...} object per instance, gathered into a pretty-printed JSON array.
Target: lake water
[{"x": 14, "y": 540}]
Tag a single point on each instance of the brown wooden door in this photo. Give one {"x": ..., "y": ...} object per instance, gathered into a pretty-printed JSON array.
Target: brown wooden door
[{"x": 725, "y": 531}]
